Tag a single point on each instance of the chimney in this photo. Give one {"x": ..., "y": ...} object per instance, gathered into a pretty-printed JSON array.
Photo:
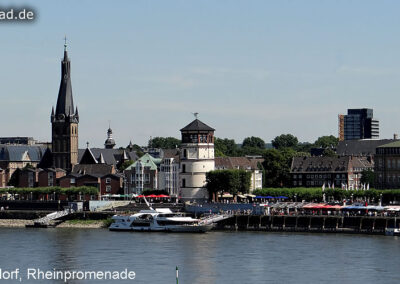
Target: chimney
[{"x": 395, "y": 136}]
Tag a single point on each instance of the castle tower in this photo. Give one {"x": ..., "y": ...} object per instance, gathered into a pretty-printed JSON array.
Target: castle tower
[
  {"x": 64, "y": 121},
  {"x": 196, "y": 159}
]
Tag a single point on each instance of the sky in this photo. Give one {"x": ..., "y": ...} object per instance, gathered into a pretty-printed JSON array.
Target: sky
[{"x": 249, "y": 68}]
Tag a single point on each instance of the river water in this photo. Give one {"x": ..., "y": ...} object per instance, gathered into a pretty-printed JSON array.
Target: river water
[{"x": 214, "y": 257}]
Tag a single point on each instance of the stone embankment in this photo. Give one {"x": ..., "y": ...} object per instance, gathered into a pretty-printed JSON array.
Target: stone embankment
[
  {"x": 21, "y": 223},
  {"x": 15, "y": 223}
]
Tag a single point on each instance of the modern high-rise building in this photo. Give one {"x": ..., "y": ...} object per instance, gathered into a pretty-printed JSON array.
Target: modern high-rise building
[{"x": 358, "y": 124}]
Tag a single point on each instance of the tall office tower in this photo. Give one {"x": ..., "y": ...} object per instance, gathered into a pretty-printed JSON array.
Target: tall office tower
[{"x": 358, "y": 124}]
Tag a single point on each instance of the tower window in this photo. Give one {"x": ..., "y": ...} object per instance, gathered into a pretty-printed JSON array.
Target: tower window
[
  {"x": 185, "y": 153},
  {"x": 183, "y": 182},
  {"x": 183, "y": 168}
]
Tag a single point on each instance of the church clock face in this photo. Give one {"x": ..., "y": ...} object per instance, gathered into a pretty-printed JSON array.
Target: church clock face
[{"x": 60, "y": 116}]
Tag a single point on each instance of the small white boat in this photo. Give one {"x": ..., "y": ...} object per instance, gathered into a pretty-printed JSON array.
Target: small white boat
[
  {"x": 157, "y": 220},
  {"x": 392, "y": 232}
]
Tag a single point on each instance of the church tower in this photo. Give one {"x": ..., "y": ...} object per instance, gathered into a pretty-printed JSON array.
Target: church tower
[
  {"x": 110, "y": 142},
  {"x": 64, "y": 121},
  {"x": 196, "y": 159}
]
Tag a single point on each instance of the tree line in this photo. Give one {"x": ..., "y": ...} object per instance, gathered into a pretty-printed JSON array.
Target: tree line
[
  {"x": 277, "y": 160},
  {"x": 35, "y": 191}
]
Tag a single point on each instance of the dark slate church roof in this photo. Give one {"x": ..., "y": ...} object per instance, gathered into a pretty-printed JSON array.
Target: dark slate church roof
[
  {"x": 65, "y": 103},
  {"x": 15, "y": 153},
  {"x": 197, "y": 125},
  {"x": 320, "y": 164},
  {"x": 365, "y": 147},
  {"x": 110, "y": 156},
  {"x": 99, "y": 169}
]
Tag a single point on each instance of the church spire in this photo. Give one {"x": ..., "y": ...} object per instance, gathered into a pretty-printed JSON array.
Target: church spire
[
  {"x": 65, "y": 102},
  {"x": 64, "y": 121}
]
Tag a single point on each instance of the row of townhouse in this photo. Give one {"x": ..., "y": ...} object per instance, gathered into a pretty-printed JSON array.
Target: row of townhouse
[
  {"x": 107, "y": 183},
  {"x": 335, "y": 171},
  {"x": 380, "y": 156},
  {"x": 387, "y": 165}
]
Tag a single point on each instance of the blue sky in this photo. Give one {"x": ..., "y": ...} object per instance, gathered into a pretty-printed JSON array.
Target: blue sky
[{"x": 250, "y": 68}]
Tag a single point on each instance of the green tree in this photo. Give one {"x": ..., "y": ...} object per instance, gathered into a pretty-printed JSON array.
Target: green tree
[
  {"x": 216, "y": 183},
  {"x": 225, "y": 147},
  {"x": 251, "y": 151},
  {"x": 245, "y": 180},
  {"x": 125, "y": 164},
  {"x": 328, "y": 152},
  {"x": 285, "y": 141},
  {"x": 277, "y": 167},
  {"x": 232, "y": 181},
  {"x": 164, "y": 142},
  {"x": 304, "y": 147},
  {"x": 326, "y": 142},
  {"x": 253, "y": 142},
  {"x": 368, "y": 177},
  {"x": 138, "y": 150}
]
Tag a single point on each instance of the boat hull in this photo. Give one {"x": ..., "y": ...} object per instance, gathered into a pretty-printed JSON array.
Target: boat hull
[{"x": 174, "y": 229}]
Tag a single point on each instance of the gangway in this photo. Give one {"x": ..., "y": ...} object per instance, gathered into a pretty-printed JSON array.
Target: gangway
[
  {"x": 45, "y": 221},
  {"x": 208, "y": 220}
]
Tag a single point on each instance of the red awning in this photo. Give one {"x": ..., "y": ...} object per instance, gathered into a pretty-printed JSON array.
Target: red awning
[{"x": 321, "y": 206}]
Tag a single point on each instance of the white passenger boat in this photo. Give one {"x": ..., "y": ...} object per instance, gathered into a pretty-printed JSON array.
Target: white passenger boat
[{"x": 160, "y": 219}]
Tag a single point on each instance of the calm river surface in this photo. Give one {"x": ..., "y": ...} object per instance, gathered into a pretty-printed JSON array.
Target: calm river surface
[{"x": 215, "y": 257}]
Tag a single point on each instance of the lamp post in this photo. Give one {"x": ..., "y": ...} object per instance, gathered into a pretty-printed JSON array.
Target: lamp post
[
  {"x": 380, "y": 199},
  {"x": 125, "y": 189}
]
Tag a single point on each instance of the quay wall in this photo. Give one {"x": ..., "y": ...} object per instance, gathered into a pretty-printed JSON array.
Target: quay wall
[
  {"x": 309, "y": 223},
  {"x": 31, "y": 215}
]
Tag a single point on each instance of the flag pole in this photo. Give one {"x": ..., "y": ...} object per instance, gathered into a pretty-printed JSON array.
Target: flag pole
[{"x": 177, "y": 275}]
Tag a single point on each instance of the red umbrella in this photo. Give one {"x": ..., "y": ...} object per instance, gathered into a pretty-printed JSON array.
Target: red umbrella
[
  {"x": 152, "y": 196},
  {"x": 140, "y": 196},
  {"x": 162, "y": 196}
]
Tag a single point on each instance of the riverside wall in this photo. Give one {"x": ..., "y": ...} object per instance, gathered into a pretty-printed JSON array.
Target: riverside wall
[{"x": 309, "y": 223}]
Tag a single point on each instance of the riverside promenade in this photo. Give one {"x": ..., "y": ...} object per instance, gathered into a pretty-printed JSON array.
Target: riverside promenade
[{"x": 244, "y": 217}]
